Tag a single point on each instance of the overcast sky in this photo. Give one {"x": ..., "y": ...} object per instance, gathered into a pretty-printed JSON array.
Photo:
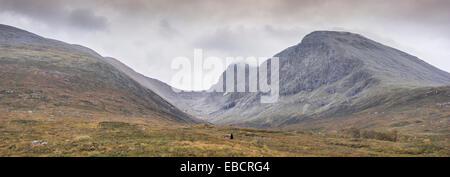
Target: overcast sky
[{"x": 147, "y": 34}]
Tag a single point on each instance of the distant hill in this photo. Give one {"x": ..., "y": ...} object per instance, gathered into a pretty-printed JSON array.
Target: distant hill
[
  {"x": 181, "y": 101},
  {"x": 46, "y": 76}
]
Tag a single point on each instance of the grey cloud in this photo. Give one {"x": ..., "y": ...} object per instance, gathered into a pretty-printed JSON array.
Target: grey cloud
[
  {"x": 222, "y": 39},
  {"x": 166, "y": 29},
  {"x": 55, "y": 13},
  {"x": 227, "y": 40},
  {"x": 285, "y": 33},
  {"x": 49, "y": 10},
  {"x": 289, "y": 9},
  {"x": 431, "y": 12},
  {"x": 259, "y": 41},
  {"x": 86, "y": 19}
]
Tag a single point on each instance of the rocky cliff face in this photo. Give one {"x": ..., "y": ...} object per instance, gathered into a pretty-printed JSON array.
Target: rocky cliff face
[
  {"x": 327, "y": 73},
  {"x": 324, "y": 57}
]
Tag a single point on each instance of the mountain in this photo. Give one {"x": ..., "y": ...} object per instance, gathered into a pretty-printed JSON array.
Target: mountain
[
  {"x": 328, "y": 74},
  {"x": 51, "y": 78}
]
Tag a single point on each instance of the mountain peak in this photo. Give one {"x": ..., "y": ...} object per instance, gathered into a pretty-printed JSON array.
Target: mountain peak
[
  {"x": 331, "y": 33},
  {"x": 334, "y": 37}
]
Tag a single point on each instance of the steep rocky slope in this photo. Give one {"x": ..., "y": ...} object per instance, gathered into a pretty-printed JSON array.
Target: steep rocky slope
[{"x": 328, "y": 74}]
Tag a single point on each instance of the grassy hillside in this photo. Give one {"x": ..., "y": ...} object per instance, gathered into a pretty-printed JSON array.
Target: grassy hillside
[
  {"x": 423, "y": 111},
  {"x": 44, "y": 75}
]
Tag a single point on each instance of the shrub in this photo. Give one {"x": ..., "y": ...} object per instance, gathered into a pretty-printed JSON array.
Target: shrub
[
  {"x": 385, "y": 136},
  {"x": 114, "y": 125},
  {"x": 400, "y": 124},
  {"x": 371, "y": 134},
  {"x": 354, "y": 132}
]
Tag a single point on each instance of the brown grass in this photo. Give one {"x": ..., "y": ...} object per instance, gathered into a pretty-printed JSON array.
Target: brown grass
[{"x": 107, "y": 135}]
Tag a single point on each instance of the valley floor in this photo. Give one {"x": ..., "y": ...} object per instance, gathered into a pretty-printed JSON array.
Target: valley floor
[{"x": 31, "y": 136}]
